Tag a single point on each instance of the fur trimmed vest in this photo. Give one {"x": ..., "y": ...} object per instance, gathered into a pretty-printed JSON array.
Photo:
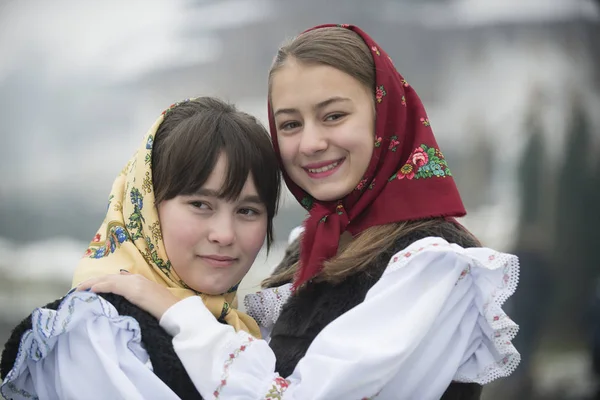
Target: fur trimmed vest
[
  {"x": 156, "y": 340},
  {"x": 314, "y": 307}
]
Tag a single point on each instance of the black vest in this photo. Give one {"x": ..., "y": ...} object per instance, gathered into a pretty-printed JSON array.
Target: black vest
[{"x": 311, "y": 309}]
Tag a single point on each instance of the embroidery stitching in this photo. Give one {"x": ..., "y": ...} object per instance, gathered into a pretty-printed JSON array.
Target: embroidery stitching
[
  {"x": 116, "y": 235},
  {"x": 277, "y": 389},
  {"x": 394, "y": 142},
  {"x": 361, "y": 184},
  {"x": 136, "y": 218},
  {"x": 307, "y": 202},
  {"x": 227, "y": 364},
  {"x": 380, "y": 93},
  {"x": 423, "y": 162}
]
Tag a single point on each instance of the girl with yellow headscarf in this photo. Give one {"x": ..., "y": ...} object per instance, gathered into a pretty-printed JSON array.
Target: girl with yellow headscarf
[{"x": 189, "y": 211}]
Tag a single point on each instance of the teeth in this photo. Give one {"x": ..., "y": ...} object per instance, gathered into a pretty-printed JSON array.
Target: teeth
[{"x": 323, "y": 169}]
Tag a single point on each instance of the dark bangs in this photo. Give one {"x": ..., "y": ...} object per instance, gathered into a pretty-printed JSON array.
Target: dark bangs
[{"x": 188, "y": 144}]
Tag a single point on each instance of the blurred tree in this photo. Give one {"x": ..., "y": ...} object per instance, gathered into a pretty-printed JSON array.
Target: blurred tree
[
  {"x": 577, "y": 219},
  {"x": 531, "y": 304}
]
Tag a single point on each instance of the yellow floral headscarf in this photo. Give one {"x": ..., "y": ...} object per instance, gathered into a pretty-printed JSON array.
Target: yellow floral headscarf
[{"x": 130, "y": 238}]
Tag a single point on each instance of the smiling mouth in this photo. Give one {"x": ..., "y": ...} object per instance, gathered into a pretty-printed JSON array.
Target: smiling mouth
[{"x": 324, "y": 168}]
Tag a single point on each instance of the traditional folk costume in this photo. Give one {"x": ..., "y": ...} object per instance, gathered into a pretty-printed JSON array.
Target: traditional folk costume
[
  {"x": 104, "y": 347},
  {"x": 424, "y": 321}
]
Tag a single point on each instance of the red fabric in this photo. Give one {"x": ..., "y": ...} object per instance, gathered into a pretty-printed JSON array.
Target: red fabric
[{"x": 407, "y": 178}]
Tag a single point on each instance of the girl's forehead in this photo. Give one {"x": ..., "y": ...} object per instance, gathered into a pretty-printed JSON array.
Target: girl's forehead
[{"x": 312, "y": 85}]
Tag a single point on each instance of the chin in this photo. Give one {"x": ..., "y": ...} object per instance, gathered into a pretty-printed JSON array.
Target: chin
[
  {"x": 326, "y": 197},
  {"x": 329, "y": 194},
  {"x": 211, "y": 290}
]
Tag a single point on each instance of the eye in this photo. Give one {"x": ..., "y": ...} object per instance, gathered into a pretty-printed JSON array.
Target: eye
[
  {"x": 249, "y": 212},
  {"x": 334, "y": 117},
  {"x": 200, "y": 205},
  {"x": 288, "y": 126}
]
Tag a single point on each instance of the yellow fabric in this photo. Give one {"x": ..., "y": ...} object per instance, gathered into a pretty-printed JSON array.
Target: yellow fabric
[{"x": 130, "y": 238}]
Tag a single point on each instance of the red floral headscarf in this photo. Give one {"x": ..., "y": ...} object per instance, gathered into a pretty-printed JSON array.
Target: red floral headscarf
[{"x": 407, "y": 178}]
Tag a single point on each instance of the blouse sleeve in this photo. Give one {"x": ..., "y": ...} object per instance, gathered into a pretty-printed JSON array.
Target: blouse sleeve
[
  {"x": 84, "y": 349},
  {"x": 434, "y": 316}
]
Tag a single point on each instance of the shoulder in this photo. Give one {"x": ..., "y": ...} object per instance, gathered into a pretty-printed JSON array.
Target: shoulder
[
  {"x": 471, "y": 285},
  {"x": 62, "y": 315},
  {"x": 94, "y": 316},
  {"x": 434, "y": 249}
]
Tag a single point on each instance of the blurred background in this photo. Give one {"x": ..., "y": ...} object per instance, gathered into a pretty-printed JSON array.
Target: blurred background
[{"x": 512, "y": 88}]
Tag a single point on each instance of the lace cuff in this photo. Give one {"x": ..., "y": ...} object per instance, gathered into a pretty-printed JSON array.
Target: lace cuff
[
  {"x": 495, "y": 280},
  {"x": 265, "y": 306}
]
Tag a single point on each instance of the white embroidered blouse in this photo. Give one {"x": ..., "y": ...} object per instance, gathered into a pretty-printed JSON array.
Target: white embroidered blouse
[{"x": 434, "y": 317}]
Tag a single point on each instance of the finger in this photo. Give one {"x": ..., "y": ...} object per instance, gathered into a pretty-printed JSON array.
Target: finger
[
  {"x": 106, "y": 287},
  {"x": 88, "y": 283}
]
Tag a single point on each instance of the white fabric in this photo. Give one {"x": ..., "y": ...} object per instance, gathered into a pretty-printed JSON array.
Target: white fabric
[
  {"x": 83, "y": 350},
  {"x": 295, "y": 233},
  {"x": 434, "y": 316},
  {"x": 265, "y": 307}
]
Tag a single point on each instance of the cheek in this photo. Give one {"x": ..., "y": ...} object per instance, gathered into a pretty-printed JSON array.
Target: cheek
[
  {"x": 365, "y": 141},
  {"x": 287, "y": 150},
  {"x": 179, "y": 236},
  {"x": 253, "y": 237}
]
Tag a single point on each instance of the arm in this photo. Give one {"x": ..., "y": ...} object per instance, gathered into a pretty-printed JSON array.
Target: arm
[
  {"x": 83, "y": 349},
  {"x": 425, "y": 323}
]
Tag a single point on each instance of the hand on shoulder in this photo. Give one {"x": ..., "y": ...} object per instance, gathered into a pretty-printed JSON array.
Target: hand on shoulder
[{"x": 148, "y": 295}]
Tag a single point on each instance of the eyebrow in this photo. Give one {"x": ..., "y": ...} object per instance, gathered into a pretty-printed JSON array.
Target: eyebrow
[
  {"x": 318, "y": 106},
  {"x": 213, "y": 193}
]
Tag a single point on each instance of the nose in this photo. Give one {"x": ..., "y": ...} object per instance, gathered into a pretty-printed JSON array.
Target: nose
[
  {"x": 222, "y": 231},
  {"x": 312, "y": 140}
]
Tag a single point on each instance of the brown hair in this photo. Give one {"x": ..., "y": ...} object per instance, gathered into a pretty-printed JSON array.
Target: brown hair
[
  {"x": 339, "y": 48},
  {"x": 369, "y": 244},
  {"x": 346, "y": 51},
  {"x": 188, "y": 143}
]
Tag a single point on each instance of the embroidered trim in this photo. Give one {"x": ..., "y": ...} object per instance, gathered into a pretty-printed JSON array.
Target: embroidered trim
[
  {"x": 277, "y": 389},
  {"x": 38, "y": 342},
  {"x": 265, "y": 306},
  {"x": 227, "y": 364},
  {"x": 503, "y": 329}
]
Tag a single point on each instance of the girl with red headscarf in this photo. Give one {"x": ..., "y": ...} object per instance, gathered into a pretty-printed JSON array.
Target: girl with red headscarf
[{"x": 391, "y": 297}]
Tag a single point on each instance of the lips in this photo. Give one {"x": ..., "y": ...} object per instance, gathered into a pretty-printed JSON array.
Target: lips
[
  {"x": 218, "y": 260},
  {"x": 324, "y": 166},
  {"x": 323, "y": 169}
]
